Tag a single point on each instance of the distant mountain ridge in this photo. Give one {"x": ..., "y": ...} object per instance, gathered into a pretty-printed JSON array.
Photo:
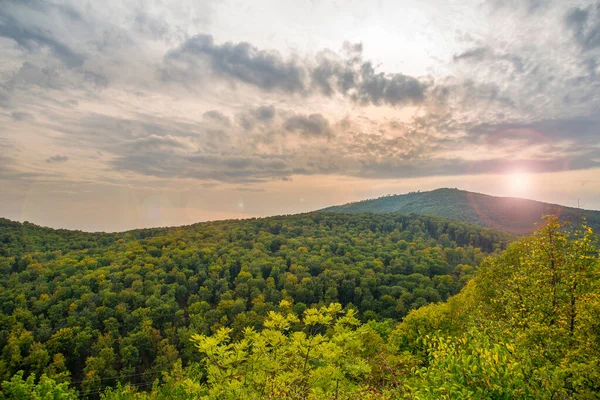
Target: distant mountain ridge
[{"x": 509, "y": 214}]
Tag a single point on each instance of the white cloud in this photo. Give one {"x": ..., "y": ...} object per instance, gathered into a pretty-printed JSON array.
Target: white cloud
[{"x": 142, "y": 94}]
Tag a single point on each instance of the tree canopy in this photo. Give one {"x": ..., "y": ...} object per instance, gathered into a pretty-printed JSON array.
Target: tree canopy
[
  {"x": 524, "y": 326},
  {"x": 519, "y": 216},
  {"x": 100, "y": 309}
]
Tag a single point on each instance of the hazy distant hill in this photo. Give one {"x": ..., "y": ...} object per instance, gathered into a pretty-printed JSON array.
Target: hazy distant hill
[{"x": 506, "y": 213}]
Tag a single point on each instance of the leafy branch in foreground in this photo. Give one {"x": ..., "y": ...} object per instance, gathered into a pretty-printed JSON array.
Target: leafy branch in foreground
[{"x": 322, "y": 360}]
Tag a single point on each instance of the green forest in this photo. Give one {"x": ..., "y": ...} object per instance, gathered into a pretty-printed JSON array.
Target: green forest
[
  {"x": 509, "y": 214},
  {"x": 309, "y": 306}
]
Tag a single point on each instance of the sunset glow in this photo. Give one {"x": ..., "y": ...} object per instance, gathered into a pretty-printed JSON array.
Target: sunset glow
[
  {"x": 119, "y": 114},
  {"x": 519, "y": 183}
]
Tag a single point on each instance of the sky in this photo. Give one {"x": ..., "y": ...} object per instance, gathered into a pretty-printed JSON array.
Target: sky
[{"x": 117, "y": 115}]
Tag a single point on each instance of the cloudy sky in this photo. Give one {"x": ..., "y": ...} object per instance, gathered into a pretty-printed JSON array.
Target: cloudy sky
[{"x": 123, "y": 114}]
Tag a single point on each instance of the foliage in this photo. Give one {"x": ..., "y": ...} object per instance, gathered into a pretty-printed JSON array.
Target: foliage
[
  {"x": 45, "y": 389},
  {"x": 526, "y": 326},
  {"x": 324, "y": 354},
  {"x": 509, "y": 214},
  {"x": 99, "y": 309},
  {"x": 532, "y": 328},
  {"x": 302, "y": 364},
  {"x": 473, "y": 366}
]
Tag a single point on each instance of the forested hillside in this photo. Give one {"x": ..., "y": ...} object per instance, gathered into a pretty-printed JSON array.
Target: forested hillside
[
  {"x": 94, "y": 310},
  {"x": 509, "y": 214},
  {"x": 526, "y": 326}
]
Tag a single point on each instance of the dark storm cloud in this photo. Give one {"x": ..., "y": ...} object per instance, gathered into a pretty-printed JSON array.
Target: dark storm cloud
[
  {"x": 242, "y": 61},
  {"x": 57, "y": 159},
  {"x": 584, "y": 24},
  {"x": 349, "y": 75},
  {"x": 309, "y": 125},
  {"x": 16, "y": 26},
  {"x": 335, "y": 73},
  {"x": 394, "y": 89}
]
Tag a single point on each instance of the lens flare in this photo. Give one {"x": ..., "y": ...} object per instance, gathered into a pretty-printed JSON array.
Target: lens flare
[{"x": 519, "y": 183}]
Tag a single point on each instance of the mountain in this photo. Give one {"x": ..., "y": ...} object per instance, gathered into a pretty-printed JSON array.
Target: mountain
[{"x": 509, "y": 214}]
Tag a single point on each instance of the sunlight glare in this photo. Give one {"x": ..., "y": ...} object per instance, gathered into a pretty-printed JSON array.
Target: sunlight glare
[{"x": 519, "y": 183}]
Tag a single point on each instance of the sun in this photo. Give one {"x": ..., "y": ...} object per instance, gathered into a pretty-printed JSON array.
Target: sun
[{"x": 518, "y": 182}]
